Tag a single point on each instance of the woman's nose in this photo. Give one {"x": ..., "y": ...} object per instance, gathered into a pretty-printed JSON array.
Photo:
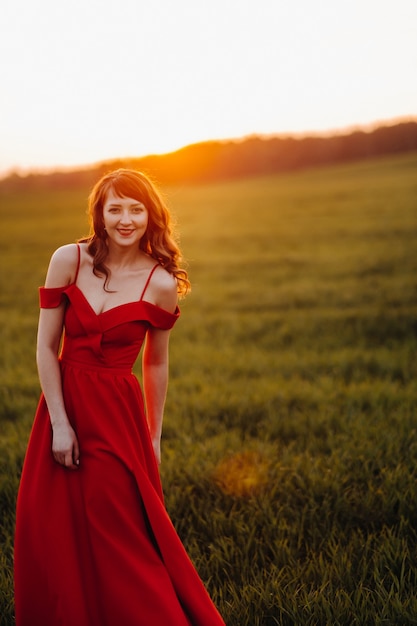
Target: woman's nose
[{"x": 125, "y": 217}]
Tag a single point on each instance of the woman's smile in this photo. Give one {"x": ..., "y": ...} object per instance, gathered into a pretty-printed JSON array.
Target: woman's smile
[{"x": 126, "y": 232}]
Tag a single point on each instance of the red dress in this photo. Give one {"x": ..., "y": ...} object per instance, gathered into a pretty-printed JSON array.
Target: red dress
[{"x": 95, "y": 546}]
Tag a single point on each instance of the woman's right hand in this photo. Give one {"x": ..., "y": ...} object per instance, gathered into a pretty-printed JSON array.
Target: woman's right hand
[{"x": 65, "y": 447}]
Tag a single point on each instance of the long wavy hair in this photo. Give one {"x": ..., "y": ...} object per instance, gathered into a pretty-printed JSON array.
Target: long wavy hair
[{"x": 159, "y": 240}]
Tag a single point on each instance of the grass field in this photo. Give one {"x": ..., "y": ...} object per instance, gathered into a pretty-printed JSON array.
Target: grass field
[{"x": 290, "y": 438}]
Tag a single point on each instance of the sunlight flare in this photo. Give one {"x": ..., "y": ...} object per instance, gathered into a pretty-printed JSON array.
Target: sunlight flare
[{"x": 243, "y": 474}]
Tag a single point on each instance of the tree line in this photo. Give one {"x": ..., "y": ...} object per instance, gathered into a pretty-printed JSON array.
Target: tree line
[{"x": 252, "y": 156}]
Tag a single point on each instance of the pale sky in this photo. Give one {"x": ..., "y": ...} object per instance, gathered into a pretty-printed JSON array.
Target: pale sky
[{"x": 88, "y": 80}]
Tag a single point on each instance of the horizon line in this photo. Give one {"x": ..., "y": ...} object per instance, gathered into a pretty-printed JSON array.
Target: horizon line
[{"x": 366, "y": 127}]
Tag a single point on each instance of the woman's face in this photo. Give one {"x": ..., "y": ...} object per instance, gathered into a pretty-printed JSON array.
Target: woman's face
[{"x": 125, "y": 219}]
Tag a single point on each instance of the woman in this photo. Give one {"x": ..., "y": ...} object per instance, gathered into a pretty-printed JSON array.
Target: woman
[{"x": 94, "y": 545}]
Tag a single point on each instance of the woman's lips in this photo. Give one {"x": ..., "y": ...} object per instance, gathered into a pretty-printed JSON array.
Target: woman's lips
[{"x": 125, "y": 232}]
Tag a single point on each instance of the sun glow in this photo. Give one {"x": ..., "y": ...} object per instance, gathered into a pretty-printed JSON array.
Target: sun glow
[{"x": 96, "y": 80}]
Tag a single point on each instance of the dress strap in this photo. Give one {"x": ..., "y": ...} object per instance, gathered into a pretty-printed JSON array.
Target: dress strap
[
  {"x": 148, "y": 280},
  {"x": 78, "y": 264}
]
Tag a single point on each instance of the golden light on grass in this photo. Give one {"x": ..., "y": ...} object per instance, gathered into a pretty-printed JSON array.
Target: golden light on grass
[{"x": 242, "y": 474}]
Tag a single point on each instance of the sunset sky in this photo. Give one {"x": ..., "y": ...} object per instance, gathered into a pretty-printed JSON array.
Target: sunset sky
[{"x": 88, "y": 80}]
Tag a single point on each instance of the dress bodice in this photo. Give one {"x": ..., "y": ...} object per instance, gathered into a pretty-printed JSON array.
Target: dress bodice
[{"x": 110, "y": 339}]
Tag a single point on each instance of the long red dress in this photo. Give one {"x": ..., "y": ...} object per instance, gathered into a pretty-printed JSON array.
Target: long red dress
[{"x": 95, "y": 546}]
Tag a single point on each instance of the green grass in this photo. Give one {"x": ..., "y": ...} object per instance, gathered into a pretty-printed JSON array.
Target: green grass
[{"x": 290, "y": 437}]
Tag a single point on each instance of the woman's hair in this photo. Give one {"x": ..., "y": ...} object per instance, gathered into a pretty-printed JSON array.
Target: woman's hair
[{"x": 159, "y": 241}]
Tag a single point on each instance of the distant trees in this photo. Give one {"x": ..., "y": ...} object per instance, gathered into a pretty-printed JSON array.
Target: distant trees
[{"x": 219, "y": 160}]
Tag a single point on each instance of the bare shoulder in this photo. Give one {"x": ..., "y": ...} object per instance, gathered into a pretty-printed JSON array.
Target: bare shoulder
[
  {"x": 63, "y": 266},
  {"x": 163, "y": 288}
]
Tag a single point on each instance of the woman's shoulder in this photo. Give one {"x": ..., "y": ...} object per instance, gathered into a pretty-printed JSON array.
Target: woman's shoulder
[
  {"x": 63, "y": 266},
  {"x": 164, "y": 289},
  {"x": 66, "y": 253}
]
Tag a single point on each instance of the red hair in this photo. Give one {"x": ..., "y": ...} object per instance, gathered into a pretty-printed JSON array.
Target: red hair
[{"x": 159, "y": 240}]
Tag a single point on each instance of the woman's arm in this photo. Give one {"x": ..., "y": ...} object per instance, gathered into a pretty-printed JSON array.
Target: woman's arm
[
  {"x": 61, "y": 272},
  {"x": 163, "y": 291},
  {"x": 155, "y": 383}
]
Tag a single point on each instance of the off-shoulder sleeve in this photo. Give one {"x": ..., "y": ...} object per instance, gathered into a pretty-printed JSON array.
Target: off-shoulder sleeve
[
  {"x": 166, "y": 320},
  {"x": 51, "y": 297},
  {"x": 160, "y": 318}
]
